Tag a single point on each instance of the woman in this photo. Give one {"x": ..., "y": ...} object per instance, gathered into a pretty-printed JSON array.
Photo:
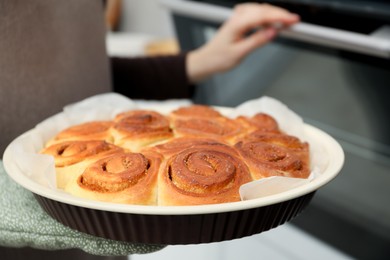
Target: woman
[
  {"x": 173, "y": 76},
  {"x": 52, "y": 53}
]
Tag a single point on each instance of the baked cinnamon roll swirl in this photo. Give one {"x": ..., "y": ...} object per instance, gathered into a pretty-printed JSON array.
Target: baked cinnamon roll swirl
[
  {"x": 204, "y": 121},
  {"x": 269, "y": 154},
  {"x": 72, "y": 157},
  {"x": 201, "y": 176},
  {"x": 96, "y": 130},
  {"x": 177, "y": 145},
  {"x": 220, "y": 128},
  {"x": 120, "y": 178},
  {"x": 194, "y": 111},
  {"x": 137, "y": 128},
  {"x": 259, "y": 122}
]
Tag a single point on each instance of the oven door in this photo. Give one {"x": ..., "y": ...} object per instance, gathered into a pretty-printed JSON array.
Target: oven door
[{"x": 337, "y": 80}]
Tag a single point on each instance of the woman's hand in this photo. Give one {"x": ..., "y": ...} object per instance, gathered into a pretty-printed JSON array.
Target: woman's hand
[{"x": 232, "y": 43}]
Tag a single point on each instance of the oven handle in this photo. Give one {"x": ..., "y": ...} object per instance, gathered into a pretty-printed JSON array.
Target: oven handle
[{"x": 330, "y": 37}]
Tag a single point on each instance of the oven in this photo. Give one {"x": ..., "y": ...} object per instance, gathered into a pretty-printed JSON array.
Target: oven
[{"x": 333, "y": 69}]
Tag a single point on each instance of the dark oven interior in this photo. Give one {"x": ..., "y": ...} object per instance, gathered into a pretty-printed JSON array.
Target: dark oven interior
[{"x": 345, "y": 93}]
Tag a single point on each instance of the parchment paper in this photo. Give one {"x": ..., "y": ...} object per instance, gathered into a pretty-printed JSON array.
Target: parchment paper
[{"x": 40, "y": 168}]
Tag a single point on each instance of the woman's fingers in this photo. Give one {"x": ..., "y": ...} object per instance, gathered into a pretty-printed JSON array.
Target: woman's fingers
[
  {"x": 251, "y": 26},
  {"x": 248, "y": 17}
]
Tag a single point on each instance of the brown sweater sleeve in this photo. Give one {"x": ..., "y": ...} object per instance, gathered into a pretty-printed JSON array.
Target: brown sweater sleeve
[{"x": 160, "y": 77}]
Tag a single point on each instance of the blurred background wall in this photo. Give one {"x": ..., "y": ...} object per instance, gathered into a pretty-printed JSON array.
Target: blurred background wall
[{"x": 146, "y": 17}]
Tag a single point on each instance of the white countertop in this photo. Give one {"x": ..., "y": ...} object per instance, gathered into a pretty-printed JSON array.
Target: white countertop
[{"x": 285, "y": 242}]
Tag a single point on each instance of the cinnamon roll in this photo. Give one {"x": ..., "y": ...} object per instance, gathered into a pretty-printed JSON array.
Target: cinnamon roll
[
  {"x": 204, "y": 121},
  {"x": 259, "y": 122},
  {"x": 193, "y": 111},
  {"x": 221, "y": 128},
  {"x": 269, "y": 154},
  {"x": 201, "y": 176},
  {"x": 120, "y": 178},
  {"x": 72, "y": 157},
  {"x": 138, "y": 128},
  {"x": 96, "y": 130},
  {"x": 177, "y": 145},
  {"x": 194, "y": 155}
]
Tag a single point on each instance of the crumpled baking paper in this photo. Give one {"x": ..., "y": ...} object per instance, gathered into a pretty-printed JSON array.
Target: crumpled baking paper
[{"x": 40, "y": 168}]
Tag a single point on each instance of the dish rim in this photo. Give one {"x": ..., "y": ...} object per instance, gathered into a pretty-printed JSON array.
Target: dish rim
[{"x": 331, "y": 146}]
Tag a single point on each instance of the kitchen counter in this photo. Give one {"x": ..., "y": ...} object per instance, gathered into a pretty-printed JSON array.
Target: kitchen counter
[{"x": 284, "y": 242}]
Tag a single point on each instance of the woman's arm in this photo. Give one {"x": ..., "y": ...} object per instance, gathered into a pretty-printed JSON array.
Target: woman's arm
[
  {"x": 172, "y": 76},
  {"x": 158, "y": 77}
]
